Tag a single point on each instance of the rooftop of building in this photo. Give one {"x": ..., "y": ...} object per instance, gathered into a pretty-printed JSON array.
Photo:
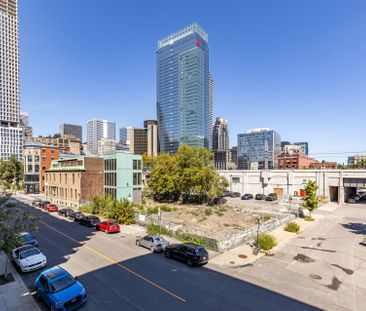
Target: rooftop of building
[{"x": 181, "y": 33}]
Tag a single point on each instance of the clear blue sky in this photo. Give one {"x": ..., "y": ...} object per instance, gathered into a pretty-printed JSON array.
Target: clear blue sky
[{"x": 298, "y": 67}]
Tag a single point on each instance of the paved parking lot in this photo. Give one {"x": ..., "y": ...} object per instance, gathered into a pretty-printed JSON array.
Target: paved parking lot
[{"x": 325, "y": 265}]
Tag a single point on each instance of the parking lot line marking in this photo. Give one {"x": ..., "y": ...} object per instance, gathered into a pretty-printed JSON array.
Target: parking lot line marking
[{"x": 91, "y": 249}]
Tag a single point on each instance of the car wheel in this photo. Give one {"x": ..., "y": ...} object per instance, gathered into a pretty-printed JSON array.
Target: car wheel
[
  {"x": 189, "y": 262},
  {"x": 167, "y": 254},
  {"x": 138, "y": 243},
  {"x": 152, "y": 249},
  {"x": 38, "y": 294},
  {"x": 52, "y": 308}
]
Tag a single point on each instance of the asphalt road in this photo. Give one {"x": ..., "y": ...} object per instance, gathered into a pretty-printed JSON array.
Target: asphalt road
[{"x": 118, "y": 275}]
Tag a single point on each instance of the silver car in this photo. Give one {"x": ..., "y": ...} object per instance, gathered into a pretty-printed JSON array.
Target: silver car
[{"x": 154, "y": 242}]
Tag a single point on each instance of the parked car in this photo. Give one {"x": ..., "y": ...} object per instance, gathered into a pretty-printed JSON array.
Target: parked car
[
  {"x": 247, "y": 196},
  {"x": 36, "y": 202},
  {"x": 65, "y": 212},
  {"x": 51, "y": 207},
  {"x": 228, "y": 194},
  {"x": 190, "y": 253},
  {"x": 271, "y": 197},
  {"x": 236, "y": 194},
  {"x": 260, "y": 196},
  {"x": 154, "y": 242},
  {"x": 353, "y": 199},
  {"x": 76, "y": 216},
  {"x": 28, "y": 258},
  {"x": 43, "y": 204},
  {"x": 108, "y": 226},
  {"x": 89, "y": 221},
  {"x": 28, "y": 239},
  {"x": 60, "y": 290},
  {"x": 217, "y": 201}
]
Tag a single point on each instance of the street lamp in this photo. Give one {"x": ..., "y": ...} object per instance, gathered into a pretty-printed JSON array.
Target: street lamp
[{"x": 257, "y": 246}]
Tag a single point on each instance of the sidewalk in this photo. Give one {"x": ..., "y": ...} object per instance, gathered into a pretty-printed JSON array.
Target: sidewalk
[
  {"x": 242, "y": 256},
  {"x": 15, "y": 296}
]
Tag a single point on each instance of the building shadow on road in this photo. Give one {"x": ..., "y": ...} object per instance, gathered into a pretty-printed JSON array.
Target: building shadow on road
[
  {"x": 356, "y": 227},
  {"x": 150, "y": 281}
]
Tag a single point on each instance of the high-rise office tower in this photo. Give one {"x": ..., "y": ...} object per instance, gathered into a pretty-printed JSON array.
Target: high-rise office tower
[
  {"x": 183, "y": 89},
  {"x": 145, "y": 140},
  {"x": 10, "y": 132},
  {"x": 220, "y": 134},
  {"x": 124, "y": 135},
  {"x": 98, "y": 129},
  {"x": 71, "y": 130},
  {"x": 210, "y": 108}
]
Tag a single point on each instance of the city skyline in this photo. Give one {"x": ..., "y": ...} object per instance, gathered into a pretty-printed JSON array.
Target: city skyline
[{"x": 297, "y": 69}]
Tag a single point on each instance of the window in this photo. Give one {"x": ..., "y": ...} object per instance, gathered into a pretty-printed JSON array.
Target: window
[
  {"x": 235, "y": 180},
  {"x": 43, "y": 150},
  {"x": 30, "y": 168},
  {"x": 73, "y": 178},
  {"x": 43, "y": 159},
  {"x": 36, "y": 168},
  {"x": 29, "y": 158},
  {"x": 136, "y": 179},
  {"x": 136, "y": 164},
  {"x": 36, "y": 158},
  {"x": 52, "y": 151},
  {"x": 110, "y": 179},
  {"x": 111, "y": 192}
]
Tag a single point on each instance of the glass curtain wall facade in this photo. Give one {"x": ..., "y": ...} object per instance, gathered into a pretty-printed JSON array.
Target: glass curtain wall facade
[
  {"x": 259, "y": 147},
  {"x": 183, "y": 89}
]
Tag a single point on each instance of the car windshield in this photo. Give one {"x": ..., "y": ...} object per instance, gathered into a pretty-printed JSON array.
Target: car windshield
[
  {"x": 28, "y": 253},
  {"x": 112, "y": 224},
  {"x": 159, "y": 239},
  {"x": 61, "y": 284},
  {"x": 27, "y": 237},
  {"x": 200, "y": 250}
]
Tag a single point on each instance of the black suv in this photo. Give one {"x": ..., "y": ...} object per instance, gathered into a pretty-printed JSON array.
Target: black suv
[
  {"x": 260, "y": 196},
  {"x": 190, "y": 253},
  {"x": 76, "y": 216},
  {"x": 65, "y": 211},
  {"x": 89, "y": 221},
  {"x": 271, "y": 197}
]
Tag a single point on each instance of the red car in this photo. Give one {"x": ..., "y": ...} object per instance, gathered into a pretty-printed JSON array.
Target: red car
[
  {"x": 52, "y": 207},
  {"x": 108, "y": 226}
]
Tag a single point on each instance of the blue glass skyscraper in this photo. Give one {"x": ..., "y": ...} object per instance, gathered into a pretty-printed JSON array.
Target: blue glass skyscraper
[{"x": 183, "y": 89}]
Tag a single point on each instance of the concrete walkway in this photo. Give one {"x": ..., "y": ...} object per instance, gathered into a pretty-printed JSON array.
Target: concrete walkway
[{"x": 15, "y": 296}]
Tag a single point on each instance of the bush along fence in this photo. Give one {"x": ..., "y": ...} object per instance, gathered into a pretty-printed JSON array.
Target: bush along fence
[{"x": 182, "y": 236}]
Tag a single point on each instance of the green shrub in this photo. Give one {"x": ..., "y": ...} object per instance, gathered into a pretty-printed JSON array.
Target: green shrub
[
  {"x": 218, "y": 213},
  {"x": 183, "y": 236},
  {"x": 309, "y": 218},
  {"x": 208, "y": 212},
  {"x": 292, "y": 227},
  {"x": 86, "y": 209},
  {"x": 265, "y": 218},
  {"x": 266, "y": 241},
  {"x": 167, "y": 208}
]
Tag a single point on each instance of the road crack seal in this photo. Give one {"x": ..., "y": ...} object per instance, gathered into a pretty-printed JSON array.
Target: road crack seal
[
  {"x": 319, "y": 249},
  {"x": 345, "y": 270},
  {"x": 335, "y": 284},
  {"x": 303, "y": 258}
]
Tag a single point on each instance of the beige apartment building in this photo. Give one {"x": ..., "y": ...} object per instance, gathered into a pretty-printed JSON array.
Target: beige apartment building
[{"x": 73, "y": 182}]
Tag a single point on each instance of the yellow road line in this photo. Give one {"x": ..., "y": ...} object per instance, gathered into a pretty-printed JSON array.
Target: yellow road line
[{"x": 91, "y": 249}]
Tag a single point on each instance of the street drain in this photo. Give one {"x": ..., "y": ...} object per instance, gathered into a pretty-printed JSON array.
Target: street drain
[
  {"x": 270, "y": 254},
  {"x": 301, "y": 237},
  {"x": 335, "y": 284},
  {"x": 232, "y": 262},
  {"x": 315, "y": 276},
  {"x": 243, "y": 256},
  {"x": 303, "y": 258},
  {"x": 345, "y": 270},
  {"x": 321, "y": 239},
  {"x": 319, "y": 244}
]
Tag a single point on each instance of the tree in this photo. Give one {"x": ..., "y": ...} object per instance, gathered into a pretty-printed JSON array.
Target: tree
[
  {"x": 310, "y": 199},
  {"x": 189, "y": 174},
  {"x": 11, "y": 173},
  {"x": 56, "y": 135},
  {"x": 13, "y": 221},
  {"x": 164, "y": 178}
]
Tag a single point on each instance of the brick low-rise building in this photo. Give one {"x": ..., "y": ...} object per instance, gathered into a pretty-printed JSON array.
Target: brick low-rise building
[
  {"x": 294, "y": 161},
  {"x": 74, "y": 181}
]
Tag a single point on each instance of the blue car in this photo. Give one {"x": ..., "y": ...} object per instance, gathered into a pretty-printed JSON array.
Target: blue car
[
  {"x": 60, "y": 290},
  {"x": 28, "y": 239}
]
